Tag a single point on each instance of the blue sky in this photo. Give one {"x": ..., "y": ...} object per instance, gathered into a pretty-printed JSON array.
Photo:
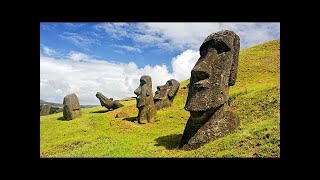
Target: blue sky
[{"x": 110, "y": 57}]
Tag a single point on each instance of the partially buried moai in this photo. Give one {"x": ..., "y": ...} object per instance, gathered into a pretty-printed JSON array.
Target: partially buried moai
[
  {"x": 145, "y": 102},
  {"x": 216, "y": 70},
  {"x": 165, "y": 94},
  {"x": 71, "y": 108},
  {"x": 108, "y": 103}
]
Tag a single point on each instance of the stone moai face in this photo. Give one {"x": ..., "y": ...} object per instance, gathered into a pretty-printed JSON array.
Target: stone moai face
[
  {"x": 71, "y": 108},
  {"x": 145, "y": 102},
  {"x": 208, "y": 94},
  {"x": 144, "y": 91},
  {"x": 214, "y": 72},
  {"x": 165, "y": 94}
]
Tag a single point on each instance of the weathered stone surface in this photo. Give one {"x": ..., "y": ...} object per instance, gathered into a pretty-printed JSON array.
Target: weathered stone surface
[
  {"x": 145, "y": 102},
  {"x": 165, "y": 94},
  {"x": 121, "y": 115},
  {"x": 55, "y": 110},
  {"x": 71, "y": 108},
  {"x": 44, "y": 109},
  {"x": 216, "y": 70},
  {"x": 108, "y": 103}
]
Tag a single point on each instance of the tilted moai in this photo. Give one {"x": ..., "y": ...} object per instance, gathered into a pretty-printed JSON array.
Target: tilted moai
[
  {"x": 145, "y": 104},
  {"x": 216, "y": 70},
  {"x": 71, "y": 108},
  {"x": 108, "y": 103},
  {"x": 165, "y": 94}
]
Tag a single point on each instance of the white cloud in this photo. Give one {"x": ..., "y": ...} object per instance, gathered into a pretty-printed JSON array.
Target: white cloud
[
  {"x": 115, "y": 30},
  {"x": 182, "y": 36},
  {"x": 183, "y": 63},
  {"x": 129, "y": 48},
  {"x": 73, "y": 26},
  {"x": 81, "y": 74},
  {"x": 48, "y": 51},
  {"x": 82, "y": 41},
  {"x": 77, "y": 56}
]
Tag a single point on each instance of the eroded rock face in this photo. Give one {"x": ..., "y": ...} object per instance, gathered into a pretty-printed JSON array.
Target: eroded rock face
[
  {"x": 55, "y": 110},
  {"x": 71, "y": 108},
  {"x": 145, "y": 102},
  {"x": 108, "y": 103},
  {"x": 44, "y": 109},
  {"x": 211, "y": 77},
  {"x": 165, "y": 94}
]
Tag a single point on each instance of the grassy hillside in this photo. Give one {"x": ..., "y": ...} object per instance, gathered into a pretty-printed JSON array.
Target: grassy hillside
[{"x": 255, "y": 98}]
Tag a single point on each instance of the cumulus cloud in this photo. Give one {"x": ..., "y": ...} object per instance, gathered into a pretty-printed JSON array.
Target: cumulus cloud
[{"x": 81, "y": 74}]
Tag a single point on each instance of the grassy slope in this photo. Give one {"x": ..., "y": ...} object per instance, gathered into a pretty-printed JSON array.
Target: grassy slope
[{"x": 255, "y": 98}]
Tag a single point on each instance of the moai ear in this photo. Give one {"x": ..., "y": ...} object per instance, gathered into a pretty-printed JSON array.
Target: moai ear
[
  {"x": 234, "y": 66},
  {"x": 174, "y": 90}
]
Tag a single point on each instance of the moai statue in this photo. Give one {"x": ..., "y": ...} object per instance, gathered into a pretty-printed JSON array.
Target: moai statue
[
  {"x": 207, "y": 102},
  {"x": 145, "y": 104},
  {"x": 165, "y": 94},
  {"x": 108, "y": 103},
  {"x": 71, "y": 108}
]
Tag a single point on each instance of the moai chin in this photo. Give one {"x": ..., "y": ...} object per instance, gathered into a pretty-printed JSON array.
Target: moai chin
[
  {"x": 71, "y": 108},
  {"x": 145, "y": 102},
  {"x": 207, "y": 102},
  {"x": 165, "y": 94}
]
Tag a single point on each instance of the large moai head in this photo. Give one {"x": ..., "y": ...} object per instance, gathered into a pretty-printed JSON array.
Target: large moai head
[
  {"x": 214, "y": 72},
  {"x": 144, "y": 99},
  {"x": 71, "y": 108},
  {"x": 165, "y": 94}
]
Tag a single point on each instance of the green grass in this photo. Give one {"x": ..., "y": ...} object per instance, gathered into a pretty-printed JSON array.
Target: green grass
[{"x": 255, "y": 98}]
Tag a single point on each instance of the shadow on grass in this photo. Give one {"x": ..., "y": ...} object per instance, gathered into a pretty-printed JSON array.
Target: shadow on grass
[
  {"x": 61, "y": 118},
  {"x": 132, "y": 119},
  {"x": 101, "y": 111},
  {"x": 171, "y": 141}
]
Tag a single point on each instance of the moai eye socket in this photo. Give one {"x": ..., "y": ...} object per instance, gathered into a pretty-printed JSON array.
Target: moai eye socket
[
  {"x": 142, "y": 82},
  {"x": 220, "y": 46}
]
